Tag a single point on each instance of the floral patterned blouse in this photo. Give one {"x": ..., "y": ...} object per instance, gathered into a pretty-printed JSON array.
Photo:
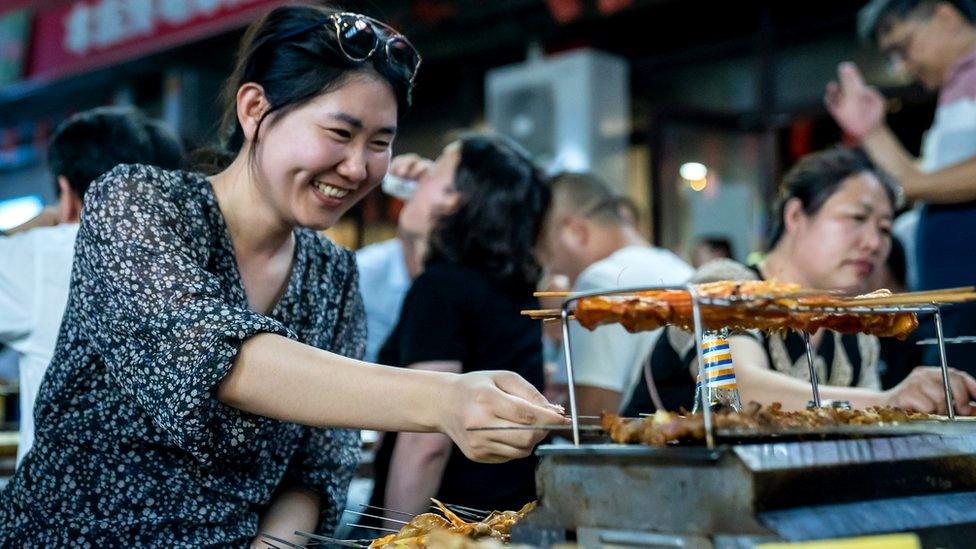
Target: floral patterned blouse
[{"x": 133, "y": 448}]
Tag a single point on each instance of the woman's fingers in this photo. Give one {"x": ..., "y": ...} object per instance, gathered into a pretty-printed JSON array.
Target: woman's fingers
[
  {"x": 516, "y": 385},
  {"x": 495, "y": 399}
]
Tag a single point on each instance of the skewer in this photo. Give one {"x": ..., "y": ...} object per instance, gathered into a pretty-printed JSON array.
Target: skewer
[
  {"x": 559, "y": 427},
  {"x": 552, "y": 294},
  {"x": 908, "y": 299},
  {"x": 377, "y": 517},
  {"x": 470, "y": 509},
  {"x": 284, "y": 541},
  {"x": 333, "y": 541},
  {"x": 459, "y": 512},
  {"x": 378, "y": 508},
  {"x": 380, "y": 528}
]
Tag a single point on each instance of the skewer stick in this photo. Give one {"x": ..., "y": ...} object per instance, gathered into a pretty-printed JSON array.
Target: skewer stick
[
  {"x": 377, "y": 517},
  {"x": 459, "y": 512},
  {"x": 331, "y": 541},
  {"x": 381, "y": 529},
  {"x": 378, "y": 508},
  {"x": 907, "y": 299},
  {"x": 279, "y": 540},
  {"x": 470, "y": 509},
  {"x": 552, "y": 294}
]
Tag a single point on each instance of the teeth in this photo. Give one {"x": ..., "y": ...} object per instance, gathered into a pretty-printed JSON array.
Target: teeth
[{"x": 331, "y": 191}]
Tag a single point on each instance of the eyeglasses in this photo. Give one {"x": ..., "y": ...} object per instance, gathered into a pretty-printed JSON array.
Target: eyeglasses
[
  {"x": 896, "y": 51},
  {"x": 358, "y": 38}
]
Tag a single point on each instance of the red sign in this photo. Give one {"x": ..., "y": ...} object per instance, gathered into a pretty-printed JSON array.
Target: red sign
[{"x": 86, "y": 34}]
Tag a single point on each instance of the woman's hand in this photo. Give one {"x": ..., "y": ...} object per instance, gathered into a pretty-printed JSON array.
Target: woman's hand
[
  {"x": 495, "y": 399},
  {"x": 410, "y": 166},
  {"x": 923, "y": 391}
]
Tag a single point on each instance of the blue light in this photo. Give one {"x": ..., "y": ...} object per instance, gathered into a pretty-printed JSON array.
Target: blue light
[{"x": 15, "y": 211}]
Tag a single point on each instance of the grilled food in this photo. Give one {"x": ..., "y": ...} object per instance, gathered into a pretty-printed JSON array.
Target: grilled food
[
  {"x": 767, "y": 305},
  {"x": 420, "y": 532},
  {"x": 665, "y": 428}
]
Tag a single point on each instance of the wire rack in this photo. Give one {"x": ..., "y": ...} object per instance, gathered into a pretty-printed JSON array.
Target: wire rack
[{"x": 697, "y": 301}]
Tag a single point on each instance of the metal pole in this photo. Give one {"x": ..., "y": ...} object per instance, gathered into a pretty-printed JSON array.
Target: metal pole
[
  {"x": 950, "y": 403},
  {"x": 705, "y": 390},
  {"x": 814, "y": 382},
  {"x": 570, "y": 383}
]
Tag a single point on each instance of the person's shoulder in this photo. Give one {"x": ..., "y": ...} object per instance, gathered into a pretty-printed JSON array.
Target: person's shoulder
[
  {"x": 40, "y": 238},
  {"x": 635, "y": 265},
  {"x": 379, "y": 253},
  {"x": 723, "y": 269},
  {"x": 144, "y": 182}
]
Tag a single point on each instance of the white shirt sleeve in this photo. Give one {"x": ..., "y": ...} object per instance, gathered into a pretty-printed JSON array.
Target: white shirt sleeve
[
  {"x": 603, "y": 357},
  {"x": 17, "y": 283}
]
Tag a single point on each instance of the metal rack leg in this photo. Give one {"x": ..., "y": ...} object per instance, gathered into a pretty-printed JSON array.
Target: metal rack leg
[
  {"x": 570, "y": 381},
  {"x": 950, "y": 403},
  {"x": 699, "y": 336},
  {"x": 814, "y": 382}
]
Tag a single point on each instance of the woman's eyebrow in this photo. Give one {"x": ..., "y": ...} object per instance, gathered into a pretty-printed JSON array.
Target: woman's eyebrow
[
  {"x": 357, "y": 123},
  {"x": 869, "y": 209}
]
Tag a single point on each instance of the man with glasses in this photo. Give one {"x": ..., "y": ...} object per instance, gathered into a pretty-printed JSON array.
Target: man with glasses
[
  {"x": 934, "y": 43},
  {"x": 587, "y": 239}
]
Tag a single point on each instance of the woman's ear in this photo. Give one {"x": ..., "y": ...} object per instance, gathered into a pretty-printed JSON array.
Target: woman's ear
[
  {"x": 793, "y": 215},
  {"x": 251, "y": 106}
]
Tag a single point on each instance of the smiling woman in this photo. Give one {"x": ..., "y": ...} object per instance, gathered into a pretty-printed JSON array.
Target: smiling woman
[{"x": 206, "y": 384}]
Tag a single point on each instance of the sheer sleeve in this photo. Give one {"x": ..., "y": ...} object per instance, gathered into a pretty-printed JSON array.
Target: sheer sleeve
[
  {"x": 165, "y": 328},
  {"x": 327, "y": 458}
]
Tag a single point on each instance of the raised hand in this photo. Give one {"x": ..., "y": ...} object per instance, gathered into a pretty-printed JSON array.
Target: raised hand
[{"x": 857, "y": 108}]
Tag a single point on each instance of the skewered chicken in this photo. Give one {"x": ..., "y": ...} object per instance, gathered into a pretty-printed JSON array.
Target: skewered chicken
[
  {"x": 668, "y": 428},
  {"x": 756, "y": 304}
]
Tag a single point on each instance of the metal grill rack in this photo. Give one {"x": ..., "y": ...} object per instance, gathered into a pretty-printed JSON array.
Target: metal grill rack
[{"x": 697, "y": 301}]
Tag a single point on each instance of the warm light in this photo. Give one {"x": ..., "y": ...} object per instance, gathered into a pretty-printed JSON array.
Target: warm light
[
  {"x": 698, "y": 185},
  {"x": 693, "y": 171}
]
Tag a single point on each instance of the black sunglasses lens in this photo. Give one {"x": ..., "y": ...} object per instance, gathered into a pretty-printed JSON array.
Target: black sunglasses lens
[
  {"x": 403, "y": 54},
  {"x": 356, "y": 37}
]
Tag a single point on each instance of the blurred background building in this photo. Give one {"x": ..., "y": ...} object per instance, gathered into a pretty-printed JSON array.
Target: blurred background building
[{"x": 693, "y": 108}]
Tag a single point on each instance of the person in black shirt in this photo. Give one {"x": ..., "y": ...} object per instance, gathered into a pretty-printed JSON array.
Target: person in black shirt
[{"x": 462, "y": 315}]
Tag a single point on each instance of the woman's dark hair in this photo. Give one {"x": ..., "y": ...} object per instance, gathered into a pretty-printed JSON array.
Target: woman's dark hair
[
  {"x": 897, "y": 263},
  {"x": 292, "y": 69},
  {"x": 503, "y": 199},
  {"x": 816, "y": 177}
]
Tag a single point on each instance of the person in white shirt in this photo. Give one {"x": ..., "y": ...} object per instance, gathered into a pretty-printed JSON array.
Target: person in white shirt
[
  {"x": 586, "y": 239},
  {"x": 36, "y": 258}
]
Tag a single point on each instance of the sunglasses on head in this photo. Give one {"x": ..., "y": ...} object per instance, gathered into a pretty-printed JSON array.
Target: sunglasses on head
[{"x": 358, "y": 37}]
